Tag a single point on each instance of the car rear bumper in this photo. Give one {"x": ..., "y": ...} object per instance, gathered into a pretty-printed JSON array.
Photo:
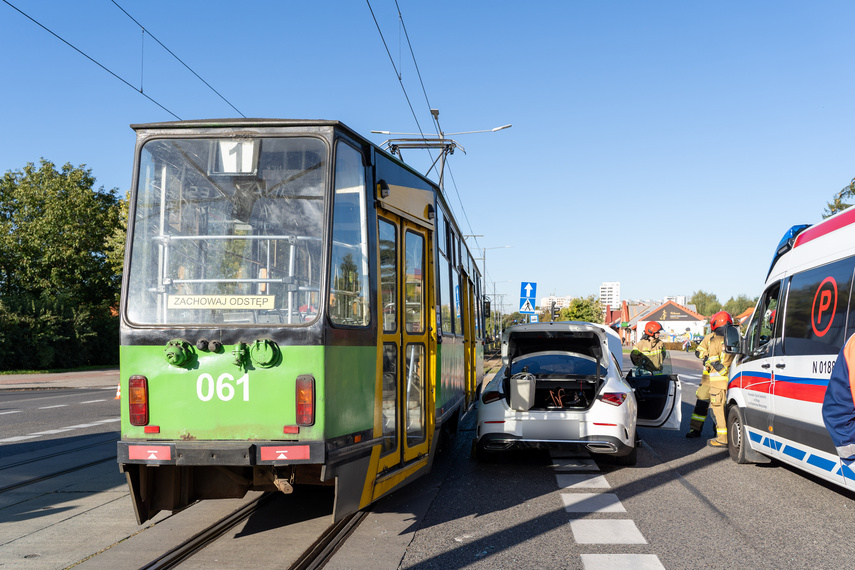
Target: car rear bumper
[{"x": 595, "y": 444}]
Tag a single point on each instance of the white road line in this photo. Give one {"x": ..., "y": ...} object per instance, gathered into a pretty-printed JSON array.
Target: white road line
[
  {"x": 52, "y": 431},
  {"x": 92, "y": 401},
  {"x": 606, "y": 531},
  {"x": 592, "y": 503},
  {"x": 17, "y": 438},
  {"x": 56, "y": 406},
  {"x": 12, "y": 412},
  {"x": 621, "y": 562},
  {"x": 581, "y": 481},
  {"x": 58, "y": 430}
]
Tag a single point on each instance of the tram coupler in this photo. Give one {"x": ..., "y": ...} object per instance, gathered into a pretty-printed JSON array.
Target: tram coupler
[{"x": 282, "y": 478}]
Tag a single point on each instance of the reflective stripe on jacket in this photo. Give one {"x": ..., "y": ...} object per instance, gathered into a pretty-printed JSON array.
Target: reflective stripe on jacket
[
  {"x": 654, "y": 349},
  {"x": 713, "y": 347}
]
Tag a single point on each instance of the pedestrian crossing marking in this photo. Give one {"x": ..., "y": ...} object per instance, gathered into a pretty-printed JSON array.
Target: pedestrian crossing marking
[
  {"x": 606, "y": 531},
  {"x": 592, "y": 503},
  {"x": 581, "y": 481},
  {"x": 621, "y": 562},
  {"x": 574, "y": 464}
]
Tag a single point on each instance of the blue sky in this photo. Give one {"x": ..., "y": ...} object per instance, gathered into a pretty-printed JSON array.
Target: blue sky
[{"x": 665, "y": 145}]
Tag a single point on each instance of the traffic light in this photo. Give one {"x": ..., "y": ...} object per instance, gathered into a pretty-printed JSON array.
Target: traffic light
[{"x": 555, "y": 311}]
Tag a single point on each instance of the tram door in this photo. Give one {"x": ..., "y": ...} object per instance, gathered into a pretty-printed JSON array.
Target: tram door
[
  {"x": 403, "y": 289},
  {"x": 468, "y": 337}
]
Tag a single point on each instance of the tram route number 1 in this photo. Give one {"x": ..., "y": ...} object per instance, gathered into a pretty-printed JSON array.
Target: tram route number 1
[{"x": 225, "y": 391}]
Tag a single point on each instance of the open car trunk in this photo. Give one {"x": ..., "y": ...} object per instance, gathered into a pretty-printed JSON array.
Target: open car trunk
[
  {"x": 554, "y": 386},
  {"x": 556, "y": 369}
]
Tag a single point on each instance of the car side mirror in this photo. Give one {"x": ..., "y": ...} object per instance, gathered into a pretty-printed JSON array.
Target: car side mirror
[{"x": 732, "y": 340}]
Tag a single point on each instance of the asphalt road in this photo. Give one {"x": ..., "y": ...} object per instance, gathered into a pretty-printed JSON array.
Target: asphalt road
[{"x": 684, "y": 505}]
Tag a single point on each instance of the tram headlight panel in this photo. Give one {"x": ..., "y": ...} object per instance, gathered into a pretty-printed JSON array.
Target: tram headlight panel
[
  {"x": 305, "y": 400},
  {"x": 138, "y": 400}
]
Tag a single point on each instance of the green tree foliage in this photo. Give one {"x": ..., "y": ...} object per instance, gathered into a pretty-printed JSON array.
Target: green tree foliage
[
  {"x": 837, "y": 203},
  {"x": 57, "y": 284},
  {"x": 739, "y": 305},
  {"x": 705, "y": 303},
  {"x": 53, "y": 232},
  {"x": 586, "y": 309},
  {"x": 115, "y": 242}
]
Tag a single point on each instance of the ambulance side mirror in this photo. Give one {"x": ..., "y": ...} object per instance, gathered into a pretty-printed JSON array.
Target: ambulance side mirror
[{"x": 732, "y": 340}]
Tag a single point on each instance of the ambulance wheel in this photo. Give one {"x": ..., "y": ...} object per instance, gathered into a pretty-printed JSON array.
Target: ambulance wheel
[{"x": 736, "y": 435}]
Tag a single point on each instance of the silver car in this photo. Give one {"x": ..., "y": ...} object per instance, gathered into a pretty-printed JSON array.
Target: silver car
[{"x": 561, "y": 383}]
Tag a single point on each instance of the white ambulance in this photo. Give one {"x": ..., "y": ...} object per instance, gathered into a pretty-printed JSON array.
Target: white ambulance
[{"x": 802, "y": 319}]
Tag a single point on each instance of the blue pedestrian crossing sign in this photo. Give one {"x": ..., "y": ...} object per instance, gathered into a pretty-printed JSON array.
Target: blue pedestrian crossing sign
[{"x": 528, "y": 292}]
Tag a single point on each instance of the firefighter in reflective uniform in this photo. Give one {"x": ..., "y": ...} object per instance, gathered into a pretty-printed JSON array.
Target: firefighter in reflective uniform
[
  {"x": 716, "y": 367},
  {"x": 838, "y": 407},
  {"x": 702, "y": 403},
  {"x": 649, "y": 352}
]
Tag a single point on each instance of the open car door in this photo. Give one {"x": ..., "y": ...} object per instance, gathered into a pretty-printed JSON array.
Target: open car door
[{"x": 658, "y": 395}]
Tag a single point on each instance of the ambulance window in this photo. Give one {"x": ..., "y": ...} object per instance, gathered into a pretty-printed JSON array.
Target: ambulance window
[
  {"x": 761, "y": 329},
  {"x": 815, "y": 320}
]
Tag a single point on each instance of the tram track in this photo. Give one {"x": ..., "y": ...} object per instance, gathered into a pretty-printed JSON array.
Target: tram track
[
  {"x": 208, "y": 535},
  {"x": 313, "y": 558},
  {"x": 317, "y": 555}
]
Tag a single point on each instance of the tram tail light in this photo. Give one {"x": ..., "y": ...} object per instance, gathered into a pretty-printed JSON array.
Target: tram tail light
[
  {"x": 138, "y": 400},
  {"x": 305, "y": 400}
]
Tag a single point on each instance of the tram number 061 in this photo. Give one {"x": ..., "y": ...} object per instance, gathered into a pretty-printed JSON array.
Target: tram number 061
[{"x": 225, "y": 391}]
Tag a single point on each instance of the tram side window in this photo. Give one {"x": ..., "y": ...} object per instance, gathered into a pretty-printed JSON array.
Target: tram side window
[
  {"x": 349, "y": 290},
  {"x": 458, "y": 289},
  {"x": 441, "y": 236},
  {"x": 445, "y": 294},
  {"x": 815, "y": 319}
]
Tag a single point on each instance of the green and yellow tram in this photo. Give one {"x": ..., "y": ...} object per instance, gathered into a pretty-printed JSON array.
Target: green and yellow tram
[{"x": 298, "y": 308}]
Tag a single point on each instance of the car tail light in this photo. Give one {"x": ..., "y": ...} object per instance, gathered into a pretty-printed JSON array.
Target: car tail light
[
  {"x": 305, "y": 400},
  {"x": 490, "y": 396},
  {"x": 613, "y": 398},
  {"x": 138, "y": 400}
]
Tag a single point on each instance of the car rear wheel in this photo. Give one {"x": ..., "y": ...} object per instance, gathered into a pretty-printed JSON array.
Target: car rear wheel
[{"x": 629, "y": 459}]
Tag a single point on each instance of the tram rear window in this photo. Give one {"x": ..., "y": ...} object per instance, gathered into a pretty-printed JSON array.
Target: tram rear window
[{"x": 228, "y": 232}]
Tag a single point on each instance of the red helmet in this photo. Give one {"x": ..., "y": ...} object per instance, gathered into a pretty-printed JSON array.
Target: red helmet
[
  {"x": 720, "y": 319},
  {"x": 652, "y": 328}
]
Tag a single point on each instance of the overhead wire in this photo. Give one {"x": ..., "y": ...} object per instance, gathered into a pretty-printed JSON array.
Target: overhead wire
[
  {"x": 54, "y": 34},
  {"x": 413, "y": 54},
  {"x": 427, "y": 100},
  {"x": 395, "y": 67},
  {"x": 145, "y": 30}
]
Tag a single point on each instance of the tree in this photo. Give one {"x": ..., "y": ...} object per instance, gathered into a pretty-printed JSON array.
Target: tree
[
  {"x": 837, "y": 204},
  {"x": 54, "y": 228},
  {"x": 57, "y": 285},
  {"x": 739, "y": 305},
  {"x": 115, "y": 243},
  {"x": 586, "y": 309},
  {"x": 705, "y": 303}
]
